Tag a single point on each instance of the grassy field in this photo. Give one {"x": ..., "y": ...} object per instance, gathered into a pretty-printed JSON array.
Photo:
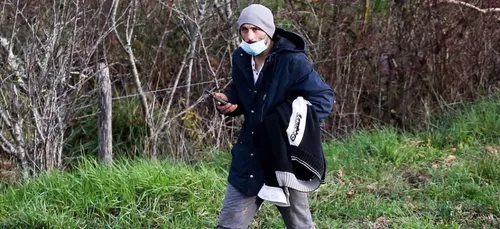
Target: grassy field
[{"x": 446, "y": 177}]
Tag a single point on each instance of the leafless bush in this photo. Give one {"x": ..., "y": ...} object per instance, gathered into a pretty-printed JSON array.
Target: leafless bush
[
  {"x": 399, "y": 62},
  {"x": 389, "y": 62},
  {"x": 48, "y": 56}
]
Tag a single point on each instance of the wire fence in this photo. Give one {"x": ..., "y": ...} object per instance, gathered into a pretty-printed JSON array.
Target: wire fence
[{"x": 155, "y": 91}]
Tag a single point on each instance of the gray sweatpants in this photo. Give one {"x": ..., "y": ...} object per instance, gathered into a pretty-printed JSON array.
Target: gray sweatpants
[{"x": 238, "y": 210}]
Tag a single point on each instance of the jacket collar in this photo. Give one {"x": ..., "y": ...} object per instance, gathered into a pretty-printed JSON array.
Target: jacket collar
[{"x": 243, "y": 62}]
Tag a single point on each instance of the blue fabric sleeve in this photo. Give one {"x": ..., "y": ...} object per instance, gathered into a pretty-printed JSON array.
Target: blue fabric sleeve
[
  {"x": 232, "y": 96},
  {"x": 306, "y": 82}
]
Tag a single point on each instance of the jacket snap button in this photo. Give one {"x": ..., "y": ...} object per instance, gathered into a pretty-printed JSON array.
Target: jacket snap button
[
  {"x": 252, "y": 111},
  {"x": 241, "y": 54},
  {"x": 251, "y": 155},
  {"x": 252, "y": 132},
  {"x": 251, "y": 176},
  {"x": 254, "y": 91}
]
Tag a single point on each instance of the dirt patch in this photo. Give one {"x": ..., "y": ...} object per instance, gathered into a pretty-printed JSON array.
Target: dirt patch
[{"x": 416, "y": 179}]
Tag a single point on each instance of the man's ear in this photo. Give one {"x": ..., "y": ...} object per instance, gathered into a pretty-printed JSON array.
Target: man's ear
[
  {"x": 239, "y": 32},
  {"x": 268, "y": 39}
]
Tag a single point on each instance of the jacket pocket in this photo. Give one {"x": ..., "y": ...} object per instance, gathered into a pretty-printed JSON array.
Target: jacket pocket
[{"x": 239, "y": 162}]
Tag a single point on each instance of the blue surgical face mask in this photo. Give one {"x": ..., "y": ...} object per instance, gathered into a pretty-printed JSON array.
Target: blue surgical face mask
[{"x": 256, "y": 48}]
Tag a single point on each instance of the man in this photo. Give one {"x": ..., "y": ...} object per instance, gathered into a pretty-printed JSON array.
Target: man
[{"x": 269, "y": 67}]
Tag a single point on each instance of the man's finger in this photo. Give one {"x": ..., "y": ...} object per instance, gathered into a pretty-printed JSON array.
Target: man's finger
[
  {"x": 228, "y": 108},
  {"x": 232, "y": 108},
  {"x": 225, "y": 108}
]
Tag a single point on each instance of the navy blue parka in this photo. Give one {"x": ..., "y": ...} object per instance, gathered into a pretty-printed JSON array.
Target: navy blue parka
[{"x": 286, "y": 74}]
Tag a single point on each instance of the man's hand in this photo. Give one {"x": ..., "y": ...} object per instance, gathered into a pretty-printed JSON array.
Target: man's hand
[{"x": 225, "y": 109}]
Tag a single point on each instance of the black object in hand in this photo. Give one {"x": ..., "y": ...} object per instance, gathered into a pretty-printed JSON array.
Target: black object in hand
[{"x": 216, "y": 98}]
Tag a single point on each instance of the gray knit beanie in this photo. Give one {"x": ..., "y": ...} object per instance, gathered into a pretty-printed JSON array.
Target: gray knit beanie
[{"x": 259, "y": 16}]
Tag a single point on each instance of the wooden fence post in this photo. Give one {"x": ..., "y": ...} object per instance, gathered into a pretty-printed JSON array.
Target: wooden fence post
[{"x": 105, "y": 112}]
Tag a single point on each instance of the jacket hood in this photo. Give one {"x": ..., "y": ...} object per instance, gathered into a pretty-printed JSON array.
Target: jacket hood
[{"x": 288, "y": 41}]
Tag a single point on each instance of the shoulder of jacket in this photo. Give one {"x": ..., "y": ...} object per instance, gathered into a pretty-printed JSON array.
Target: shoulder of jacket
[
  {"x": 238, "y": 52},
  {"x": 294, "y": 59},
  {"x": 292, "y": 56}
]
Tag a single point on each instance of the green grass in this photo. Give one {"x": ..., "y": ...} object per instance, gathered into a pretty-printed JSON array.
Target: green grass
[
  {"x": 127, "y": 195},
  {"x": 447, "y": 177}
]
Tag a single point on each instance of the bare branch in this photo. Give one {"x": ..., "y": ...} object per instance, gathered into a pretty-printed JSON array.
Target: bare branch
[
  {"x": 6, "y": 146},
  {"x": 164, "y": 116},
  {"x": 189, "y": 56},
  {"x": 128, "y": 49},
  {"x": 200, "y": 99},
  {"x": 114, "y": 7},
  {"x": 181, "y": 14},
  {"x": 17, "y": 122},
  {"x": 13, "y": 62},
  {"x": 226, "y": 13},
  {"x": 5, "y": 118},
  {"x": 484, "y": 11},
  {"x": 202, "y": 10},
  {"x": 207, "y": 58}
]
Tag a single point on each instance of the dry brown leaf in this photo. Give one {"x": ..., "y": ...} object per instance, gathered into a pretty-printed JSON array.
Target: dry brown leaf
[
  {"x": 380, "y": 223},
  {"x": 350, "y": 194},
  {"x": 453, "y": 149},
  {"x": 340, "y": 174},
  {"x": 8, "y": 176},
  {"x": 6, "y": 165},
  {"x": 423, "y": 178},
  {"x": 435, "y": 164},
  {"x": 450, "y": 158},
  {"x": 371, "y": 187},
  {"x": 416, "y": 142},
  {"x": 381, "y": 219},
  {"x": 492, "y": 150}
]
